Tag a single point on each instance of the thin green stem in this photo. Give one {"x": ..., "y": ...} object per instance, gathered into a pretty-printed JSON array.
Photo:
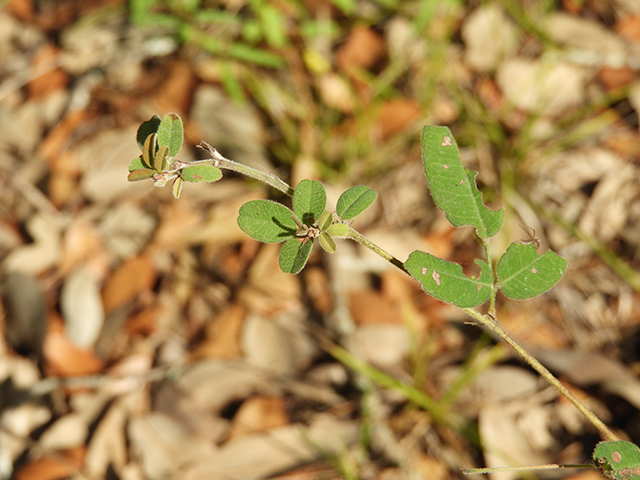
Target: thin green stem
[
  {"x": 219, "y": 161},
  {"x": 364, "y": 241},
  {"x": 495, "y": 327}
]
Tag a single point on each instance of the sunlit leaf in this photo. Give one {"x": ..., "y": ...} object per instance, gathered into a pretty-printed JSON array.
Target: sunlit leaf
[
  {"x": 446, "y": 281},
  {"x": 325, "y": 220},
  {"x": 267, "y": 221},
  {"x": 309, "y": 201},
  {"x": 618, "y": 460},
  {"x": 294, "y": 255},
  {"x": 171, "y": 133},
  {"x": 177, "y": 187},
  {"x": 354, "y": 201},
  {"x": 453, "y": 187},
  {"x": 338, "y": 230},
  {"x": 160, "y": 160},
  {"x": 201, "y": 173},
  {"x": 524, "y": 273},
  {"x": 327, "y": 243}
]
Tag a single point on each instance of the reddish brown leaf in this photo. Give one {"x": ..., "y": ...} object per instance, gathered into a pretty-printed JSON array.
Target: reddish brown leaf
[{"x": 133, "y": 277}]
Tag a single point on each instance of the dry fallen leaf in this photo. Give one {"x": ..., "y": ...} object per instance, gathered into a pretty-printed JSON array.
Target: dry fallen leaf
[
  {"x": 363, "y": 49},
  {"x": 133, "y": 277}
]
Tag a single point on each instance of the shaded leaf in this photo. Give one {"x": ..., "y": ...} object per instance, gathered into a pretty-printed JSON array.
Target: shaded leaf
[
  {"x": 309, "y": 201},
  {"x": 453, "y": 187},
  {"x": 524, "y": 273},
  {"x": 267, "y": 221},
  {"x": 294, "y": 255},
  {"x": 136, "y": 164},
  {"x": 354, "y": 201},
  {"x": 171, "y": 133},
  {"x": 147, "y": 128},
  {"x": 201, "y": 173},
  {"x": 327, "y": 243},
  {"x": 446, "y": 281},
  {"x": 140, "y": 174}
]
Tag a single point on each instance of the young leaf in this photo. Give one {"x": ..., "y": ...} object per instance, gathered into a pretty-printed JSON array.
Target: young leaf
[
  {"x": 147, "y": 128},
  {"x": 176, "y": 189},
  {"x": 267, "y": 221},
  {"x": 354, "y": 201},
  {"x": 309, "y": 200},
  {"x": 149, "y": 150},
  {"x": 446, "y": 281},
  {"x": 325, "y": 220},
  {"x": 140, "y": 174},
  {"x": 327, "y": 243},
  {"x": 294, "y": 255},
  {"x": 618, "y": 460},
  {"x": 453, "y": 187},
  {"x": 524, "y": 273},
  {"x": 160, "y": 160},
  {"x": 171, "y": 133},
  {"x": 201, "y": 173},
  {"x": 338, "y": 230}
]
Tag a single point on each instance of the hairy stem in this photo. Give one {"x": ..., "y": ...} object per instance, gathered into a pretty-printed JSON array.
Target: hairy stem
[
  {"x": 362, "y": 240},
  {"x": 495, "y": 327},
  {"x": 223, "y": 163}
]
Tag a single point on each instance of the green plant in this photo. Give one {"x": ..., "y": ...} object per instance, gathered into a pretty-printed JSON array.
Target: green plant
[{"x": 520, "y": 273}]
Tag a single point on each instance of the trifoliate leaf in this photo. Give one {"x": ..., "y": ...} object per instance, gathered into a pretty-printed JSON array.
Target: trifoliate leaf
[{"x": 327, "y": 243}]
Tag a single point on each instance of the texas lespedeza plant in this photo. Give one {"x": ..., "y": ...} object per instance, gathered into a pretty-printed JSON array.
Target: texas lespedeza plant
[{"x": 520, "y": 273}]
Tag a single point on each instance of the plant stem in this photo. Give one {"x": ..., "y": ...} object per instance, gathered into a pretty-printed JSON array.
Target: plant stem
[
  {"x": 362, "y": 240},
  {"x": 219, "y": 161},
  {"x": 495, "y": 327}
]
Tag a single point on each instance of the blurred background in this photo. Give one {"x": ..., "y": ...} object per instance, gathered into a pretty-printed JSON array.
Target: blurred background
[{"x": 148, "y": 338}]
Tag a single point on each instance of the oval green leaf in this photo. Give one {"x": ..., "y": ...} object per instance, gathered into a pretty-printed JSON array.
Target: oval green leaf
[
  {"x": 147, "y": 128},
  {"x": 354, "y": 201},
  {"x": 309, "y": 201},
  {"x": 267, "y": 221},
  {"x": 327, "y": 243},
  {"x": 140, "y": 174},
  {"x": 453, "y": 187},
  {"x": 294, "y": 255},
  {"x": 201, "y": 173},
  {"x": 524, "y": 273},
  {"x": 338, "y": 230},
  {"x": 619, "y": 460},
  {"x": 446, "y": 281},
  {"x": 171, "y": 133},
  {"x": 325, "y": 221},
  {"x": 160, "y": 160},
  {"x": 149, "y": 150},
  {"x": 176, "y": 189}
]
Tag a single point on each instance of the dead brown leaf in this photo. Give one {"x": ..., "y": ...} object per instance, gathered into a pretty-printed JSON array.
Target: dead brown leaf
[
  {"x": 258, "y": 414},
  {"x": 53, "y": 467},
  {"x": 363, "y": 49},
  {"x": 130, "y": 279},
  {"x": 394, "y": 116},
  {"x": 222, "y": 335}
]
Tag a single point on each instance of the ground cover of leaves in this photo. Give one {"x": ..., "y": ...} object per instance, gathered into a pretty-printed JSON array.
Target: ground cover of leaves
[{"x": 148, "y": 338}]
